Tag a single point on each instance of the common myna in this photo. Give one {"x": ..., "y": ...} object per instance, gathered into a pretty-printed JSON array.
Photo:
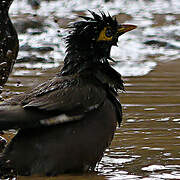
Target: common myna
[{"x": 65, "y": 124}]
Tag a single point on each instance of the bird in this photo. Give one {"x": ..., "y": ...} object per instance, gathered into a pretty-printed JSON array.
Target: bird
[
  {"x": 9, "y": 43},
  {"x": 65, "y": 124}
]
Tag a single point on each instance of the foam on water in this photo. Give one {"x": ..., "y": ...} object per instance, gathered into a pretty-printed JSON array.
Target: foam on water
[{"x": 132, "y": 52}]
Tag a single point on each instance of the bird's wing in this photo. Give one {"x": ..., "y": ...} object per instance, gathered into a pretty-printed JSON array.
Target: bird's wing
[{"x": 55, "y": 102}]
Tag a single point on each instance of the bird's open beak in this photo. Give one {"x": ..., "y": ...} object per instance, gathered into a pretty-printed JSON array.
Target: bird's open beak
[{"x": 125, "y": 28}]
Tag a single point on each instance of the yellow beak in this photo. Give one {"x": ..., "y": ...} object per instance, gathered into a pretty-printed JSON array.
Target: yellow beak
[{"x": 125, "y": 28}]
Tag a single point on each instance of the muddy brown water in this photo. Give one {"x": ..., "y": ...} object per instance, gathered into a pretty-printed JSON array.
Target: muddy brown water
[{"x": 147, "y": 145}]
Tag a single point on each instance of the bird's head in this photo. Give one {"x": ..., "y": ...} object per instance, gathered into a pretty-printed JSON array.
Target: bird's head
[
  {"x": 93, "y": 37},
  {"x": 90, "y": 40}
]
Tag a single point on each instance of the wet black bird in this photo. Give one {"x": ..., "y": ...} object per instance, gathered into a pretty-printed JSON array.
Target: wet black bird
[
  {"x": 65, "y": 124},
  {"x": 9, "y": 44}
]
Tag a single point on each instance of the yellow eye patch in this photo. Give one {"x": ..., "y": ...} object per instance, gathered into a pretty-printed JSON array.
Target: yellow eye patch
[{"x": 103, "y": 37}]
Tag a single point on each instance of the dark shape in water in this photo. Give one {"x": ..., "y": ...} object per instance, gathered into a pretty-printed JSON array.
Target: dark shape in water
[
  {"x": 9, "y": 44},
  {"x": 161, "y": 44},
  {"x": 66, "y": 123},
  {"x": 32, "y": 59},
  {"x": 35, "y": 4}
]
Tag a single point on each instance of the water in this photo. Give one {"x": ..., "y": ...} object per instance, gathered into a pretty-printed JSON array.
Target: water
[
  {"x": 157, "y": 20},
  {"x": 147, "y": 145}
]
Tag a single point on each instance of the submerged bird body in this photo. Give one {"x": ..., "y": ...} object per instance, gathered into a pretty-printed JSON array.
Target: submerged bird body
[
  {"x": 66, "y": 148},
  {"x": 66, "y": 124},
  {"x": 9, "y": 44}
]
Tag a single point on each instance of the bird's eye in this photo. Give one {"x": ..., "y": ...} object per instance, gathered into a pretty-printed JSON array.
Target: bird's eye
[{"x": 108, "y": 33}]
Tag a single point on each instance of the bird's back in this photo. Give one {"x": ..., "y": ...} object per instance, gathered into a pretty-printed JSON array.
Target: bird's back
[
  {"x": 70, "y": 147},
  {"x": 72, "y": 141}
]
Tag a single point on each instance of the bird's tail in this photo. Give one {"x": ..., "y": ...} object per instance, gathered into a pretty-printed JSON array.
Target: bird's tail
[{"x": 14, "y": 117}]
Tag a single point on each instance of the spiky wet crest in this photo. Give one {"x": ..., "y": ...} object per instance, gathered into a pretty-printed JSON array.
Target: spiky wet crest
[
  {"x": 88, "y": 47},
  {"x": 82, "y": 43}
]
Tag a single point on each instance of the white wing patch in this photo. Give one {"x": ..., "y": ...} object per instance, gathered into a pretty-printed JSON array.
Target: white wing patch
[
  {"x": 60, "y": 119},
  {"x": 90, "y": 108}
]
